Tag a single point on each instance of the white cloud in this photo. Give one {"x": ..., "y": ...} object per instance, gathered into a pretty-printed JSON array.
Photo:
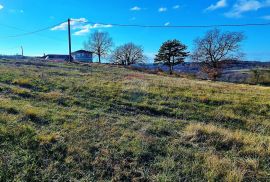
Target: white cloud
[
  {"x": 86, "y": 29},
  {"x": 176, "y": 7},
  {"x": 135, "y": 8},
  {"x": 74, "y": 23},
  {"x": 79, "y": 26},
  {"x": 218, "y": 5},
  {"x": 162, "y": 9},
  {"x": 243, "y": 6},
  {"x": 167, "y": 24},
  {"x": 62, "y": 26},
  {"x": 1, "y": 6}
]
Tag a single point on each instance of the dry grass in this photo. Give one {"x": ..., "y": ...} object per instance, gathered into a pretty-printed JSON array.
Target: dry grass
[
  {"x": 224, "y": 139},
  {"x": 67, "y": 122},
  {"x": 224, "y": 146}
]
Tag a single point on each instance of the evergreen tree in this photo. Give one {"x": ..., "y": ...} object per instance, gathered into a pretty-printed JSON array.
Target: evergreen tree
[{"x": 171, "y": 53}]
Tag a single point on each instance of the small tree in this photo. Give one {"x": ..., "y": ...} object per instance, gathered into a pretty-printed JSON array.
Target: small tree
[
  {"x": 100, "y": 43},
  {"x": 171, "y": 53},
  {"x": 128, "y": 54},
  {"x": 215, "y": 49},
  {"x": 256, "y": 75}
]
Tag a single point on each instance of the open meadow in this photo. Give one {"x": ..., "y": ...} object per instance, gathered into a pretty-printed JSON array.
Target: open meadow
[{"x": 70, "y": 122}]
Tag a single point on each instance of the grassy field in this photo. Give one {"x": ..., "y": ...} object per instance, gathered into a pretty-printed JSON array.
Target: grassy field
[{"x": 66, "y": 122}]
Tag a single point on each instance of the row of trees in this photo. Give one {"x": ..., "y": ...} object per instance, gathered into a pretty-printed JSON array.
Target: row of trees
[
  {"x": 212, "y": 51},
  {"x": 100, "y": 43}
]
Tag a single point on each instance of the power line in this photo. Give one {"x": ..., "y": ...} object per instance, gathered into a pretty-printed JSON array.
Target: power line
[
  {"x": 183, "y": 26},
  {"x": 16, "y": 28},
  {"x": 133, "y": 25},
  {"x": 40, "y": 30},
  {"x": 28, "y": 33}
]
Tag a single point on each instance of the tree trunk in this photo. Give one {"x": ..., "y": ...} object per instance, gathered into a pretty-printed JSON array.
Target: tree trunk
[
  {"x": 99, "y": 59},
  {"x": 215, "y": 78},
  {"x": 171, "y": 69}
]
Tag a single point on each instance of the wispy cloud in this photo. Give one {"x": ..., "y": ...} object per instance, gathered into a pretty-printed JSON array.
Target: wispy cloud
[
  {"x": 79, "y": 26},
  {"x": 176, "y": 6},
  {"x": 218, "y": 5},
  {"x": 162, "y": 9},
  {"x": 167, "y": 24},
  {"x": 243, "y": 6},
  {"x": 135, "y": 8},
  {"x": 1, "y": 6}
]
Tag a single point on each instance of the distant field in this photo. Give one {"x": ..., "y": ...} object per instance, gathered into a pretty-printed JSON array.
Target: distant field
[
  {"x": 248, "y": 76},
  {"x": 66, "y": 122},
  {"x": 238, "y": 72}
]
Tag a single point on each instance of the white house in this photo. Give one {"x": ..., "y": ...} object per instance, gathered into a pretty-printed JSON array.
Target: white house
[{"x": 83, "y": 56}]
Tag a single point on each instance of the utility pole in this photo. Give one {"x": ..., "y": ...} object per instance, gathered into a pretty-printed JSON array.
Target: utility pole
[
  {"x": 22, "y": 50},
  {"x": 69, "y": 41}
]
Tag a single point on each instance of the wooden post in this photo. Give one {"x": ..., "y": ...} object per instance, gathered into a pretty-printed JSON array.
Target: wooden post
[{"x": 69, "y": 41}]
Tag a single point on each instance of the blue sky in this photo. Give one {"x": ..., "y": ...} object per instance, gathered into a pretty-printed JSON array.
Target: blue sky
[{"x": 19, "y": 16}]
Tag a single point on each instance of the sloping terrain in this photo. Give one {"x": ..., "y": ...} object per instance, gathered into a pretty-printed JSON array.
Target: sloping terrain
[
  {"x": 66, "y": 122},
  {"x": 234, "y": 72}
]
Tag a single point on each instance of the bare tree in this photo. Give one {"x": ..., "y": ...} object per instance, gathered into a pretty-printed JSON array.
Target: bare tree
[
  {"x": 215, "y": 48},
  {"x": 100, "y": 43},
  {"x": 128, "y": 54}
]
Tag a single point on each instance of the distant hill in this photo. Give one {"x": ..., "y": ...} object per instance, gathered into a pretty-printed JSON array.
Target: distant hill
[
  {"x": 234, "y": 71},
  {"x": 191, "y": 67}
]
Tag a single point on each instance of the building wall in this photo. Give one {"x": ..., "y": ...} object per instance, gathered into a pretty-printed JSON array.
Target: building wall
[{"x": 84, "y": 57}]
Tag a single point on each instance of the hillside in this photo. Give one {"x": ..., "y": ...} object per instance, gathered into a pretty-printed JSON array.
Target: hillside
[
  {"x": 67, "y": 122},
  {"x": 234, "y": 71}
]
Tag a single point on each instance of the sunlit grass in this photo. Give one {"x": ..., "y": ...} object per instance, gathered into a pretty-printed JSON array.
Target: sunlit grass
[{"x": 67, "y": 122}]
